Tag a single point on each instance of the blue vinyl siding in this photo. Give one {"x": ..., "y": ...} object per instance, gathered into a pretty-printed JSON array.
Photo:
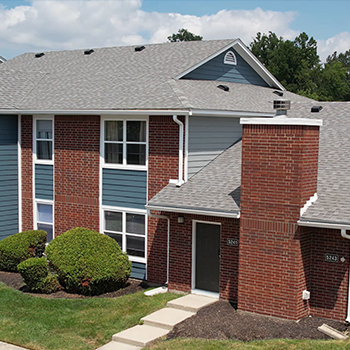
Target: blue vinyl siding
[
  {"x": 138, "y": 271},
  {"x": 8, "y": 176},
  {"x": 215, "y": 69},
  {"x": 43, "y": 181},
  {"x": 124, "y": 188}
]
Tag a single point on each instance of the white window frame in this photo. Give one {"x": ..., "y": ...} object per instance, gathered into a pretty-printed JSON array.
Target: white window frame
[
  {"x": 36, "y": 212},
  {"x": 124, "y": 165},
  {"x": 124, "y": 234},
  {"x": 35, "y": 139},
  {"x": 226, "y": 61}
]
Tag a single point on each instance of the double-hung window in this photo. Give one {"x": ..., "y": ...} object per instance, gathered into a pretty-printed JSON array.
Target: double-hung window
[
  {"x": 44, "y": 219},
  {"x": 129, "y": 230},
  {"x": 44, "y": 140},
  {"x": 125, "y": 142}
]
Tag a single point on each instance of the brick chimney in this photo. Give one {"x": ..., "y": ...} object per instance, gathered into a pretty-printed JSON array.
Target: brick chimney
[{"x": 279, "y": 175}]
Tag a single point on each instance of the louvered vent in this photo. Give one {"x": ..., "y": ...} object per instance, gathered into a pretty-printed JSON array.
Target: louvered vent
[{"x": 230, "y": 58}]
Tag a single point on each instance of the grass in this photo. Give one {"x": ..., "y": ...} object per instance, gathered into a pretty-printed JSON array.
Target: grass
[
  {"x": 49, "y": 324},
  {"x": 278, "y": 344}
]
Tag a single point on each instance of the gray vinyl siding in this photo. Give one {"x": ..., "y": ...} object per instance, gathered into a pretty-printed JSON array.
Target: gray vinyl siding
[
  {"x": 208, "y": 137},
  {"x": 138, "y": 271},
  {"x": 215, "y": 69},
  {"x": 124, "y": 188},
  {"x": 8, "y": 176},
  {"x": 44, "y": 181}
]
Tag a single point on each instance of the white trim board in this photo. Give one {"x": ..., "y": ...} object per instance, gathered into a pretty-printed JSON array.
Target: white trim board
[{"x": 281, "y": 121}]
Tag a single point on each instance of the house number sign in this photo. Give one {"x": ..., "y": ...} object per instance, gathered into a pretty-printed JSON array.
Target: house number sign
[
  {"x": 331, "y": 257},
  {"x": 232, "y": 241}
]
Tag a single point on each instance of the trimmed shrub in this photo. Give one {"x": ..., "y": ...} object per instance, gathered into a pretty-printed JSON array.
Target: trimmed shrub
[
  {"x": 88, "y": 262},
  {"x": 19, "y": 247},
  {"x": 35, "y": 274}
]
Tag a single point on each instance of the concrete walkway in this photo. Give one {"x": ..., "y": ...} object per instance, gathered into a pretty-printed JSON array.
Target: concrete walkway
[
  {"x": 158, "y": 324},
  {"x": 5, "y": 346}
]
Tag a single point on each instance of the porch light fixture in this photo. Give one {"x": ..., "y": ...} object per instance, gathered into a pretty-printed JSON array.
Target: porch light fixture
[{"x": 180, "y": 219}]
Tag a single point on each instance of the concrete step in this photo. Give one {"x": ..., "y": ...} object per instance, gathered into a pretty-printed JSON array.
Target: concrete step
[
  {"x": 191, "y": 302},
  {"x": 114, "y": 345},
  {"x": 166, "y": 318},
  {"x": 140, "y": 335}
]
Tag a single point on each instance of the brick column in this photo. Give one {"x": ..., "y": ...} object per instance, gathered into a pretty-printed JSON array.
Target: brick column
[
  {"x": 77, "y": 159},
  {"x": 27, "y": 171},
  {"x": 279, "y": 175}
]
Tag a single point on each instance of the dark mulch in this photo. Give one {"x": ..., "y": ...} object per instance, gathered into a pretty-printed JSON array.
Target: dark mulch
[
  {"x": 222, "y": 321},
  {"x": 14, "y": 280}
]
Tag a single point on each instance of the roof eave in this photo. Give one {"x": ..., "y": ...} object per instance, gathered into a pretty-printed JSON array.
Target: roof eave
[
  {"x": 195, "y": 211},
  {"x": 319, "y": 224}
]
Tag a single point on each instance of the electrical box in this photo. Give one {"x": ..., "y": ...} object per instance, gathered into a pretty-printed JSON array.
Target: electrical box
[{"x": 306, "y": 295}]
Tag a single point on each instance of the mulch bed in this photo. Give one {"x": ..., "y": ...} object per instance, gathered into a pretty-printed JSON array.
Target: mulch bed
[
  {"x": 217, "y": 321},
  {"x": 14, "y": 280},
  {"x": 222, "y": 321}
]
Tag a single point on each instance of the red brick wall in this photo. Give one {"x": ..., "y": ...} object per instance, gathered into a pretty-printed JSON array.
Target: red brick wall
[
  {"x": 27, "y": 171},
  {"x": 276, "y": 183},
  {"x": 163, "y": 158},
  {"x": 329, "y": 281},
  {"x": 76, "y": 172}
]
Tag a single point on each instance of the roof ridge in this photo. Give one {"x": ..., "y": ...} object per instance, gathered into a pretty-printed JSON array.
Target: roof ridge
[{"x": 179, "y": 94}]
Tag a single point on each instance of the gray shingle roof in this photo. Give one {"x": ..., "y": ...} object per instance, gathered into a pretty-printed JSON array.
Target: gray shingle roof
[
  {"x": 118, "y": 78},
  {"x": 213, "y": 186}
]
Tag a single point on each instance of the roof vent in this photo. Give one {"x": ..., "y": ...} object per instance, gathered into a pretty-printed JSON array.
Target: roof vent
[
  {"x": 88, "y": 52},
  {"x": 230, "y": 58},
  {"x": 279, "y": 93},
  {"x": 281, "y": 106},
  {"x": 38, "y": 55},
  {"x": 139, "y": 48},
  {"x": 316, "y": 109},
  {"x": 224, "y": 87}
]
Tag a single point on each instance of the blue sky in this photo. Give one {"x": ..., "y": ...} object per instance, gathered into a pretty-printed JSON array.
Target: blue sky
[{"x": 42, "y": 25}]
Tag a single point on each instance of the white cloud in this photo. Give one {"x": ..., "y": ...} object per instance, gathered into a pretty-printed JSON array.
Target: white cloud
[
  {"x": 53, "y": 25},
  {"x": 339, "y": 43}
]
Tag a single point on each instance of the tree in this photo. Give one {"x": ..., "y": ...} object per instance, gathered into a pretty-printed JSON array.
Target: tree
[
  {"x": 184, "y": 35},
  {"x": 296, "y": 64}
]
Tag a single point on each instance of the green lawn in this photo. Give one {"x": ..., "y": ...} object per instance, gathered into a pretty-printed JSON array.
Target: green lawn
[
  {"x": 279, "y": 344},
  {"x": 45, "y": 324}
]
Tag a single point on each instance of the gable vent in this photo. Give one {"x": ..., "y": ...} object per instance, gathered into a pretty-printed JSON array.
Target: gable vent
[
  {"x": 38, "y": 55},
  {"x": 316, "y": 109},
  {"x": 224, "y": 87},
  {"x": 139, "y": 48},
  {"x": 279, "y": 93},
  {"x": 230, "y": 58},
  {"x": 88, "y": 52}
]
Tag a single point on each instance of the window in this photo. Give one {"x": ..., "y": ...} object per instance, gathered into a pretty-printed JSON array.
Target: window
[
  {"x": 129, "y": 230},
  {"x": 44, "y": 139},
  {"x": 125, "y": 142},
  {"x": 230, "y": 58},
  {"x": 44, "y": 219}
]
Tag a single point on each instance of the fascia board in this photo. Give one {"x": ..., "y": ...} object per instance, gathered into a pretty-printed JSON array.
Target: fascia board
[
  {"x": 96, "y": 112},
  {"x": 234, "y": 215},
  {"x": 329, "y": 225}
]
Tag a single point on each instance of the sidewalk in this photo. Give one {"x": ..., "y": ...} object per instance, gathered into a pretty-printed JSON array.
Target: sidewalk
[{"x": 5, "y": 346}]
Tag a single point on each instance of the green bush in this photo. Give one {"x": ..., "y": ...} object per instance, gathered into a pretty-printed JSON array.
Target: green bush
[
  {"x": 88, "y": 262},
  {"x": 19, "y": 247},
  {"x": 35, "y": 274}
]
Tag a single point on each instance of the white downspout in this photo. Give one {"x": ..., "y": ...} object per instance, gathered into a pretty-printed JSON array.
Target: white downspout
[
  {"x": 168, "y": 241},
  {"x": 181, "y": 150},
  {"x": 345, "y": 235}
]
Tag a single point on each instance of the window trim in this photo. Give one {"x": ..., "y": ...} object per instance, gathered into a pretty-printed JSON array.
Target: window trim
[
  {"x": 35, "y": 139},
  {"x": 124, "y": 119},
  {"x": 226, "y": 61},
  {"x": 36, "y": 212},
  {"x": 124, "y": 234}
]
